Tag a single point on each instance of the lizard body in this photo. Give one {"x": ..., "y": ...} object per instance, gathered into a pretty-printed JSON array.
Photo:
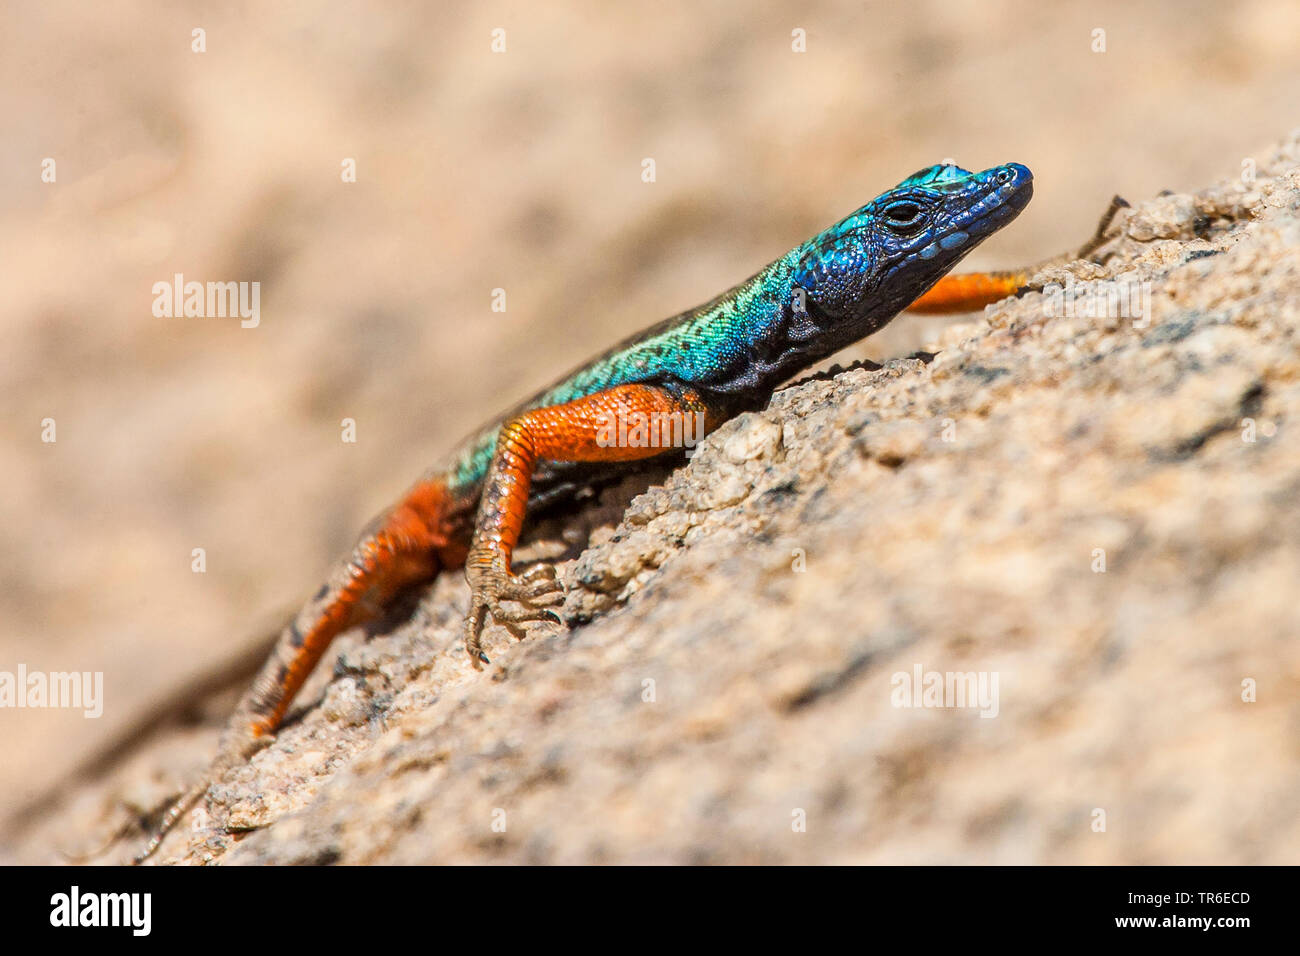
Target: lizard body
[{"x": 714, "y": 361}]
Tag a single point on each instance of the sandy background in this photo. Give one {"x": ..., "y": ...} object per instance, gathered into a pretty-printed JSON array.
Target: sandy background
[{"x": 475, "y": 171}]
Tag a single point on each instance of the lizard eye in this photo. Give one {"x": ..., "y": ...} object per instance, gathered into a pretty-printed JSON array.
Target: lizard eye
[{"x": 903, "y": 214}]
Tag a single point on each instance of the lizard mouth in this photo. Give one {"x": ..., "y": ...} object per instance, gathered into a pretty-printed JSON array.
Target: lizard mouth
[{"x": 1014, "y": 187}]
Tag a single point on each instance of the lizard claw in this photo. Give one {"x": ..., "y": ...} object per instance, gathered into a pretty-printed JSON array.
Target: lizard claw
[
  {"x": 538, "y": 572},
  {"x": 535, "y": 591}
]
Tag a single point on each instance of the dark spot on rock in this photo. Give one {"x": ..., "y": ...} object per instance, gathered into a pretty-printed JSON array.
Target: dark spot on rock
[
  {"x": 860, "y": 422},
  {"x": 1248, "y": 407},
  {"x": 829, "y": 683},
  {"x": 324, "y": 856},
  {"x": 779, "y": 494},
  {"x": 984, "y": 373},
  {"x": 1171, "y": 332}
]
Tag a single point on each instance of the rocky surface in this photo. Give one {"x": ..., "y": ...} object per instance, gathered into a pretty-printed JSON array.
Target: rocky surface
[{"x": 1098, "y": 511}]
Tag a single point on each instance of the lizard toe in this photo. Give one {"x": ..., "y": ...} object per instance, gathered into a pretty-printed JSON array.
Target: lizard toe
[{"x": 539, "y": 572}]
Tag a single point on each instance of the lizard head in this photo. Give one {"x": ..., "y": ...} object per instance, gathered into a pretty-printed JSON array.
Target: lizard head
[{"x": 871, "y": 265}]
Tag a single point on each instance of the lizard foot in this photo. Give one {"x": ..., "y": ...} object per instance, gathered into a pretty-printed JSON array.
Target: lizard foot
[
  {"x": 1100, "y": 238},
  {"x": 536, "y": 591}
]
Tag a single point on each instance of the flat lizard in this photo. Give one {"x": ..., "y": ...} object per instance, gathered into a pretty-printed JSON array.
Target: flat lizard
[{"x": 711, "y": 363}]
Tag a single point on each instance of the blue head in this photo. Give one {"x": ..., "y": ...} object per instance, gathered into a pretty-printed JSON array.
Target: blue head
[{"x": 864, "y": 270}]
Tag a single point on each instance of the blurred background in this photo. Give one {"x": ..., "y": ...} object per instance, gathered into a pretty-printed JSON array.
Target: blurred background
[{"x": 475, "y": 170}]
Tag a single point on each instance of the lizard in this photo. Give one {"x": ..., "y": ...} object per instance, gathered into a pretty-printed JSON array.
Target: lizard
[{"x": 712, "y": 362}]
